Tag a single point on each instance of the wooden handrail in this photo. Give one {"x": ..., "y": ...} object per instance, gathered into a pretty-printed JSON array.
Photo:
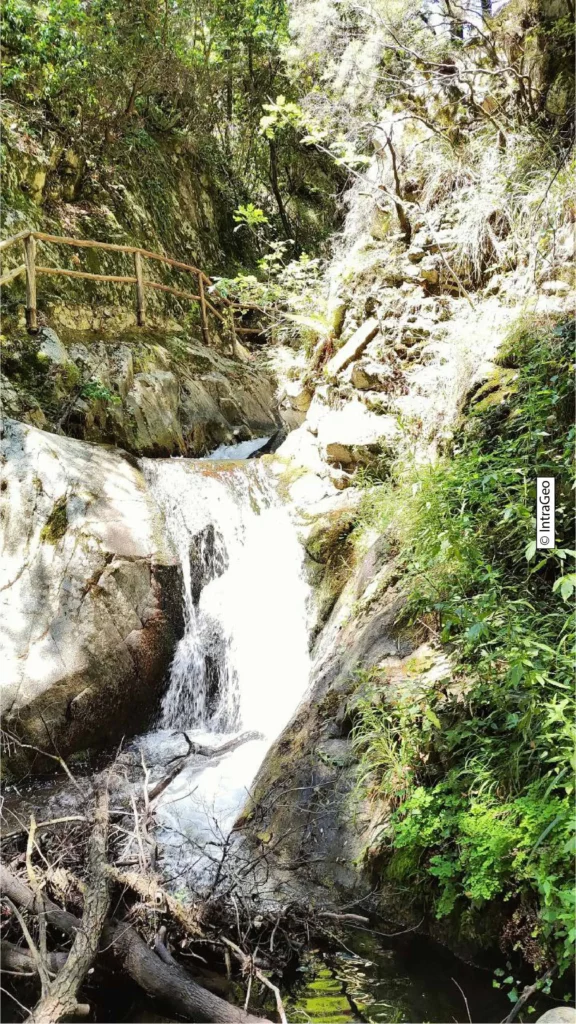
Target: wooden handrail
[
  {"x": 15, "y": 238},
  {"x": 30, "y": 269}
]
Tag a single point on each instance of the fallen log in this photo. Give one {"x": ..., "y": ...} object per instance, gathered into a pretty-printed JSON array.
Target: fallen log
[
  {"x": 170, "y": 983},
  {"x": 20, "y": 961}
]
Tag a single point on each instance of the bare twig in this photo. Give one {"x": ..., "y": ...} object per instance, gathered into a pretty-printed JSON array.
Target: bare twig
[
  {"x": 248, "y": 964},
  {"x": 464, "y": 998},
  {"x": 40, "y": 966}
]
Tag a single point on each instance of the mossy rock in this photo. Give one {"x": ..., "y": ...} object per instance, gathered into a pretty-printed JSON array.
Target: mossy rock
[
  {"x": 328, "y": 534},
  {"x": 496, "y": 391}
]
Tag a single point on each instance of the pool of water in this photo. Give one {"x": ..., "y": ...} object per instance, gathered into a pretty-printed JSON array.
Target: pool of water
[{"x": 412, "y": 980}]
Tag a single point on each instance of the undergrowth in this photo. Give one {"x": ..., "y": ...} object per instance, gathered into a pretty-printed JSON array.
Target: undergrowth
[{"x": 479, "y": 767}]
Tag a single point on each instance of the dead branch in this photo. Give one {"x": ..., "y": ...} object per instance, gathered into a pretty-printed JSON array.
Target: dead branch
[
  {"x": 35, "y": 955},
  {"x": 35, "y": 885},
  {"x": 358, "y": 918},
  {"x": 147, "y": 888},
  {"x": 170, "y": 983},
  {"x": 61, "y": 998},
  {"x": 197, "y": 750},
  {"x": 249, "y": 966},
  {"x": 528, "y": 991},
  {"x": 41, "y": 825},
  {"x": 20, "y": 961}
]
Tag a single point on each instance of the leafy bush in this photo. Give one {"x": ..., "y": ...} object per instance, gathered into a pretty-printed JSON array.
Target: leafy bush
[
  {"x": 483, "y": 784},
  {"x": 96, "y": 390}
]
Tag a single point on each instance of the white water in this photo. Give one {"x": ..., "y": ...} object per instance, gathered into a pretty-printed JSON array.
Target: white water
[{"x": 242, "y": 664}]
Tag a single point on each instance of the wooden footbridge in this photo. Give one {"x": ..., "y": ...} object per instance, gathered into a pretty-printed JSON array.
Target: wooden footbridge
[{"x": 138, "y": 280}]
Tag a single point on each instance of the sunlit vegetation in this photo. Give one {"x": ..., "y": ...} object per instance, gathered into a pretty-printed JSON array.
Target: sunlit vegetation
[{"x": 480, "y": 774}]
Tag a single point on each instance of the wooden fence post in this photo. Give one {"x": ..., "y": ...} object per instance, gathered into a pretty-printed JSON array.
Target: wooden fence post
[
  {"x": 203, "y": 316},
  {"x": 140, "y": 292},
  {"x": 30, "y": 260}
]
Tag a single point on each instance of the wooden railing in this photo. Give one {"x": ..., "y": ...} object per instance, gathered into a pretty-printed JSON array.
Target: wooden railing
[{"x": 31, "y": 269}]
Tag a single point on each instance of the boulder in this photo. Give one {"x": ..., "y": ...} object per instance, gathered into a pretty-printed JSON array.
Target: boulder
[
  {"x": 430, "y": 269},
  {"x": 353, "y": 347},
  {"x": 152, "y": 404},
  {"x": 51, "y": 348},
  {"x": 368, "y": 376},
  {"x": 354, "y": 435},
  {"x": 417, "y": 331},
  {"x": 415, "y": 254},
  {"x": 90, "y": 593},
  {"x": 558, "y": 1015},
  {"x": 298, "y": 395}
]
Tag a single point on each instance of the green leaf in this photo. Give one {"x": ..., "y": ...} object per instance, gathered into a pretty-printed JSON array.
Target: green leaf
[
  {"x": 432, "y": 717},
  {"x": 530, "y": 550}
]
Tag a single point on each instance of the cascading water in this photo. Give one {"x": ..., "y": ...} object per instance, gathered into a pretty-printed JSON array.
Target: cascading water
[{"x": 242, "y": 663}]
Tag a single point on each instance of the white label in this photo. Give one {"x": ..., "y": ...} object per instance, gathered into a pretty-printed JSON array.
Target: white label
[{"x": 545, "y": 510}]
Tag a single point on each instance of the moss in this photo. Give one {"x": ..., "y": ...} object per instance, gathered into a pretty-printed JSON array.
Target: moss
[
  {"x": 496, "y": 391},
  {"x": 330, "y": 705},
  {"x": 56, "y": 524}
]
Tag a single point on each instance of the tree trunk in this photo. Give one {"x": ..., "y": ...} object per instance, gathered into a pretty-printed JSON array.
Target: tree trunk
[{"x": 276, "y": 188}]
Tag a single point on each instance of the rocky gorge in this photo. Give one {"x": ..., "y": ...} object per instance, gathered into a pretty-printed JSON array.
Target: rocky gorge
[{"x": 282, "y": 666}]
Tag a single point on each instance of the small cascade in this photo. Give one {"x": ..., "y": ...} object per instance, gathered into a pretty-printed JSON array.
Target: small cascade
[{"x": 242, "y": 664}]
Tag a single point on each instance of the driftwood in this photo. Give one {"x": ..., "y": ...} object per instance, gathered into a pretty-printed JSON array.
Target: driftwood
[
  {"x": 168, "y": 982},
  {"x": 60, "y": 1000}
]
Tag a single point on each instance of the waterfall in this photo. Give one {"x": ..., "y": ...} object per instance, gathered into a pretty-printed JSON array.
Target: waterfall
[{"x": 242, "y": 663}]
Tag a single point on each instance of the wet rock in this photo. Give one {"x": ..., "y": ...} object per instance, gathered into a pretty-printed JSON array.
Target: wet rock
[
  {"x": 208, "y": 560},
  {"x": 91, "y": 595}
]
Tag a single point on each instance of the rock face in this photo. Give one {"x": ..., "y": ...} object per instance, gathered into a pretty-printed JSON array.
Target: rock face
[
  {"x": 304, "y": 791},
  {"x": 90, "y": 594},
  {"x": 151, "y": 394}
]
